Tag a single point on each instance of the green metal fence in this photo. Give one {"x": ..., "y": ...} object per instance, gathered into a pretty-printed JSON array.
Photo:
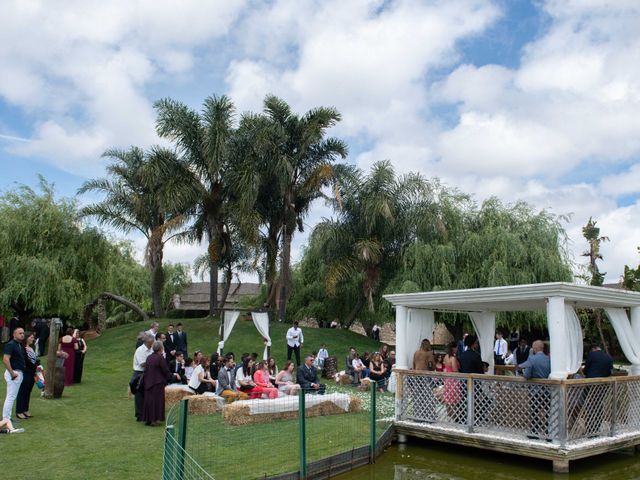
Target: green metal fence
[{"x": 295, "y": 436}]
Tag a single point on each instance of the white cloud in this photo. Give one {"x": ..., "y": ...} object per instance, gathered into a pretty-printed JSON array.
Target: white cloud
[
  {"x": 92, "y": 61},
  {"x": 624, "y": 183}
]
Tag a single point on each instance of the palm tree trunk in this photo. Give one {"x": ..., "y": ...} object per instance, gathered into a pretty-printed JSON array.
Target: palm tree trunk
[
  {"x": 214, "y": 265},
  {"x": 227, "y": 287},
  {"x": 354, "y": 312},
  {"x": 272, "y": 257},
  {"x": 157, "y": 275},
  {"x": 284, "y": 274}
]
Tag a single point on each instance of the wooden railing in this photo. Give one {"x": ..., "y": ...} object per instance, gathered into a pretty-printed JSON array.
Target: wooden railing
[{"x": 560, "y": 411}]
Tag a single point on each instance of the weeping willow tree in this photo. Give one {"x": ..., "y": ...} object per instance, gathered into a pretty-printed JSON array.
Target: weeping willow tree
[{"x": 430, "y": 238}]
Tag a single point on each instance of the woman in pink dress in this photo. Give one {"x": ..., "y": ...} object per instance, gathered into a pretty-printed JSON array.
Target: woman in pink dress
[
  {"x": 452, "y": 392},
  {"x": 68, "y": 344},
  {"x": 262, "y": 380}
]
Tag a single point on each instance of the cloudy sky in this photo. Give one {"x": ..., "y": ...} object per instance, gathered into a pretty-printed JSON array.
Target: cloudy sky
[{"x": 532, "y": 100}]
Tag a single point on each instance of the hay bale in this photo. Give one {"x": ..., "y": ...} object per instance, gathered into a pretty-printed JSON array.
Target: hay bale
[
  {"x": 203, "y": 405},
  {"x": 308, "y": 323},
  {"x": 237, "y": 415},
  {"x": 174, "y": 395},
  {"x": 387, "y": 334},
  {"x": 357, "y": 327}
]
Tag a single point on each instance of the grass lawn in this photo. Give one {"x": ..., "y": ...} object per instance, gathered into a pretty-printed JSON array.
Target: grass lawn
[{"x": 91, "y": 432}]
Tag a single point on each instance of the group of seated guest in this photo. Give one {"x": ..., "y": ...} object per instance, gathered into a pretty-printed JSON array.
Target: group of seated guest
[{"x": 376, "y": 367}]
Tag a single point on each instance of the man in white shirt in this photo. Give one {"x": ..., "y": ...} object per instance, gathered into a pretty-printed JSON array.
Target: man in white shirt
[
  {"x": 139, "y": 362},
  {"x": 295, "y": 339},
  {"x": 500, "y": 349},
  {"x": 322, "y": 356},
  {"x": 155, "y": 327}
]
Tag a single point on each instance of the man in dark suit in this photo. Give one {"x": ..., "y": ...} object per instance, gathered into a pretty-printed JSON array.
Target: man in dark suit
[
  {"x": 522, "y": 352},
  {"x": 307, "y": 377},
  {"x": 170, "y": 343},
  {"x": 180, "y": 343},
  {"x": 176, "y": 369},
  {"x": 461, "y": 346},
  {"x": 470, "y": 360},
  {"x": 598, "y": 364}
]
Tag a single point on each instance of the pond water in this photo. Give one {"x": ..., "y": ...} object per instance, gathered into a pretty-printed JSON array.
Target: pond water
[{"x": 422, "y": 460}]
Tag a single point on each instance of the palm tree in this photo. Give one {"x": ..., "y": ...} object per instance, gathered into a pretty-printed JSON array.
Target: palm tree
[
  {"x": 299, "y": 164},
  {"x": 207, "y": 140},
  {"x": 145, "y": 191},
  {"x": 377, "y": 216}
]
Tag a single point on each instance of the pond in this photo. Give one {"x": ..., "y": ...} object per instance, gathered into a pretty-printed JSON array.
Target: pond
[{"x": 420, "y": 460}]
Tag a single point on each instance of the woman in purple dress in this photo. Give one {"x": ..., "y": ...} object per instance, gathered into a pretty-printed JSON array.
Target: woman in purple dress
[
  {"x": 68, "y": 345},
  {"x": 156, "y": 373}
]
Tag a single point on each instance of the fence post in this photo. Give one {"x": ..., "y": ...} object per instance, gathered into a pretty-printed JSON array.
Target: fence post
[
  {"x": 169, "y": 453},
  {"x": 563, "y": 414},
  {"x": 470, "y": 404},
  {"x": 182, "y": 436},
  {"x": 614, "y": 408},
  {"x": 372, "y": 448},
  {"x": 302, "y": 434}
]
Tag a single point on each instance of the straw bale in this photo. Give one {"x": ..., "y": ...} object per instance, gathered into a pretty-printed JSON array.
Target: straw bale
[
  {"x": 387, "y": 334},
  {"x": 203, "y": 405},
  {"x": 357, "y": 327},
  {"x": 234, "y": 414},
  {"x": 174, "y": 395}
]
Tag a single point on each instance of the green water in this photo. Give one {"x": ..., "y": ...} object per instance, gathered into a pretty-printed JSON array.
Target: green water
[{"x": 426, "y": 460}]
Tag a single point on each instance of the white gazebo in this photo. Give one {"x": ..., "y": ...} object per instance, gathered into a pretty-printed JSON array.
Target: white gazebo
[
  {"x": 415, "y": 318},
  {"x": 558, "y": 419}
]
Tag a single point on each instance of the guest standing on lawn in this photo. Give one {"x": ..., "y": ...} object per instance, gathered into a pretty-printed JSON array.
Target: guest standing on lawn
[
  {"x": 13, "y": 360},
  {"x": 156, "y": 373},
  {"x": 28, "y": 379},
  {"x": 139, "y": 362},
  {"x": 80, "y": 354},
  {"x": 295, "y": 339},
  {"x": 68, "y": 344}
]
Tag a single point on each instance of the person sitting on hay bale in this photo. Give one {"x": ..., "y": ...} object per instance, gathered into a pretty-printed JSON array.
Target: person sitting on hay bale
[
  {"x": 308, "y": 377},
  {"x": 200, "y": 381},
  {"x": 262, "y": 380},
  {"x": 227, "y": 382},
  {"x": 244, "y": 380},
  {"x": 284, "y": 380}
]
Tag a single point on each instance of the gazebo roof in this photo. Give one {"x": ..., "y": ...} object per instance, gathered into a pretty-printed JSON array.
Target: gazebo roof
[{"x": 517, "y": 298}]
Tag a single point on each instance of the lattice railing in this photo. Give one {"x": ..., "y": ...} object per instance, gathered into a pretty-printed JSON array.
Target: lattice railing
[{"x": 552, "y": 410}]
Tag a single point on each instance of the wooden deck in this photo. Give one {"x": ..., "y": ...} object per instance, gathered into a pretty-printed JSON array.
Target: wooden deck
[{"x": 576, "y": 418}]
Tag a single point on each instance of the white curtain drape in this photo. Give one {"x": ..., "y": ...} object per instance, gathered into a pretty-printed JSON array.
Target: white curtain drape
[
  {"x": 626, "y": 336},
  {"x": 230, "y": 318},
  {"x": 261, "y": 321},
  {"x": 420, "y": 325},
  {"x": 484, "y": 323},
  {"x": 574, "y": 348}
]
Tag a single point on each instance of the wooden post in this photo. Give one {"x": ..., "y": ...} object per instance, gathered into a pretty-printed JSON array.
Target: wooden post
[
  {"x": 470, "y": 405},
  {"x": 560, "y": 466},
  {"x": 50, "y": 373}
]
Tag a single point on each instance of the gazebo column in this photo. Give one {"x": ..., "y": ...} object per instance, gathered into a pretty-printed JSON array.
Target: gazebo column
[
  {"x": 401, "y": 340},
  {"x": 635, "y": 321},
  {"x": 558, "y": 340}
]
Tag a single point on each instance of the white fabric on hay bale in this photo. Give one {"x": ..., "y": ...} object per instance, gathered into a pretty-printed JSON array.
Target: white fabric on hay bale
[{"x": 290, "y": 403}]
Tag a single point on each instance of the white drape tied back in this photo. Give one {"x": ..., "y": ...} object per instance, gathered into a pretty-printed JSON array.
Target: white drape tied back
[
  {"x": 629, "y": 340},
  {"x": 230, "y": 318},
  {"x": 261, "y": 321},
  {"x": 484, "y": 323},
  {"x": 574, "y": 349}
]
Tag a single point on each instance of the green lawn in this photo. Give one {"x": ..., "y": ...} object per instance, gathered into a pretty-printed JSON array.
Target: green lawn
[{"x": 91, "y": 432}]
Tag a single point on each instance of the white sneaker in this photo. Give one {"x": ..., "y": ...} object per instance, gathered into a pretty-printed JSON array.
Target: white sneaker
[{"x": 17, "y": 430}]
